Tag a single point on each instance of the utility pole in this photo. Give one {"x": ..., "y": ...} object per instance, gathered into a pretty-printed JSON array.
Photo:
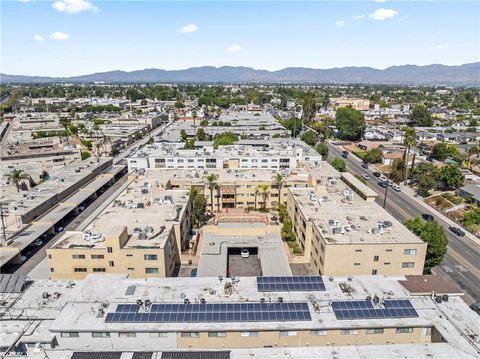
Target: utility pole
[{"x": 3, "y": 222}]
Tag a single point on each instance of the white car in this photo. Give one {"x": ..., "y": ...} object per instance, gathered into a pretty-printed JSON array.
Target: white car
[
  {"x": 383, "y": 178},
  {"x": 366, "y": 176},
  {"x": 245, "y": 253},
  {"x": 396, "y": 188}
]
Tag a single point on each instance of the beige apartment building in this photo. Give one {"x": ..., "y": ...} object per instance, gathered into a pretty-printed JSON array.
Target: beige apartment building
[
  {"x": 142, "y": 233},
  {"x": 341, "y": 233},
  {"x": 357, "y": 103}
]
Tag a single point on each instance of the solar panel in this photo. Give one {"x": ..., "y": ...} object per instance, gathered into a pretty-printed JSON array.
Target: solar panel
[
  {"x": 290, "y": 284},
  {"x": 364, "y": 309},
  {"x": 211, "y": 312}
]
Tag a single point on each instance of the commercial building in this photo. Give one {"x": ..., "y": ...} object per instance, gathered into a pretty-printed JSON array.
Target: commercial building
[
  {"x": 122, "y": 314},
  {"x": 356, "y": 103},
  {"x": 142, "y": 233},
  {"x": 342, "y": 231}
]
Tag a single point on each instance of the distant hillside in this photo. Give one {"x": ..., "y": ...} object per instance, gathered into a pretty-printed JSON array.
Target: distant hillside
[{"x": 468, "y": 74}]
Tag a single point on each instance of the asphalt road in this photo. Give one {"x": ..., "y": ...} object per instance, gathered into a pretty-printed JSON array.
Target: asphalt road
[{"x": 461, "y": 263}]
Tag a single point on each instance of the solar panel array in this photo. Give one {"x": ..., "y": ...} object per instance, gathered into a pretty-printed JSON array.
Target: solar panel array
[
  {"x": 211, "y": 312},
  {"x": 290, "y": 284},
  {"x": 364, "y": 309}
]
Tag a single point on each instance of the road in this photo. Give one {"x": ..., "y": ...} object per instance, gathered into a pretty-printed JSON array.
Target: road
[{"x": 461, "y": 263}]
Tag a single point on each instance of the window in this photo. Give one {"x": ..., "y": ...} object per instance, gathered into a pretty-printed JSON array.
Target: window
[
  {"x": 69, "y": 335},
  {"x": 375, "y": 331},
  {"x": 408, "y": 264},
  {"x": 288, "y": 333},
  {"x": 374, "y": 272},
  {"x": 190, "y": 335},
  {"x": 358, "y": 250},
  {"x": 127, "y": 335},
  {"x": 318, "y": 332},
  {"x": 150, "y": 257},
  {"x": 111, "y": 264},
  {"x": 130, "y": 268},
  {"x": 249, "y": 334},
  {"x": 109, "y": 249},
  {"x": 375, "y": 258},
  {"x": 410, "y": 252},
  {"x": 129, "y": 255},
  {"x": 158, "y": 335},
  {"x": 388, "y": 250},
  {"x": 356, "y": 264},
  {"x": 79, "y": 269},
  {"x": 386, "y": 263},
  {"x": 98, "y": 270},
  {"x": 348, "y": 332},
  {"x": 151, "y": 270},
  {"x": 100, "y": 335},
  {"x": 52, "y": 269},
  {"x": 427, "y": 331},
  {"x": 50, "y": 256},
  {"x": 217, "y": 334},
  {"x": 404, "y": 330},
  {"x": 78, "y": 256},
  {"x": 98, "y": 256}
]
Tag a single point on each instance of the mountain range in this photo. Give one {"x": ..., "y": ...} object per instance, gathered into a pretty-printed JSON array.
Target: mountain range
[{"x": 463, "y": 75}]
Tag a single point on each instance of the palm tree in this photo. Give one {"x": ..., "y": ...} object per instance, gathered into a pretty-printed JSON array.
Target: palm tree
[
  {"x": 264, "y": 188},
  {"x": 218, "y": 197},
  {"x": 212, "y": 182},
  {"x": 194, "y": 115},
  {"x": 278, "y": 180},
  {"x": 256, "y": 195},
  {"x": 410, "y": 140},
  {"x": 17, "y": 176}
]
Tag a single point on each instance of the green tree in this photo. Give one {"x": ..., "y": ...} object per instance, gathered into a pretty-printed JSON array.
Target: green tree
[
  {"x": 440, "y": 151},
  {"x": 431, "y": 233},
  {"x": 420, "y": 116},
  {"x": 212, "y": 183},
  {"x": 410, "y": 140},
  {"x": 309, "y": 137},
  {"x": 201, "y": 135},
  {"x": 472, "y": 151},
  {"x": 309, "y": 106},
  {"x": 199, "y": 203},
  {"x": 224, "y": 139},
  {"x": 322, "y": 148},
  {"x": 278, "y": 180},
  {"x": 397, "y": 171},
  {"x": 451, "y": 176},
  {"x": 339, "y": 164},
  {"x": 194, "y": 116},
  {"x": 264, "y": 189},
  {"x": 375, "y": 155},
  {"x": 350, "y": 123},
  {"x": 204, "y": 123},
  {"x": 179, "y": 104},
  {"x": 472, "y": 217},
  {"x": 16, "y": 176},
  {"x": 183, "y": 135}
]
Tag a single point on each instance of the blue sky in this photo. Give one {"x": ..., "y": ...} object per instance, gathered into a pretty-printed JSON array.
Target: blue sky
[{"x": 74, "y": 37}]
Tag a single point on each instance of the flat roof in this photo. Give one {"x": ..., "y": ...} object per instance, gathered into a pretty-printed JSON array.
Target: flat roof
[{"x": 340, "y": 204}]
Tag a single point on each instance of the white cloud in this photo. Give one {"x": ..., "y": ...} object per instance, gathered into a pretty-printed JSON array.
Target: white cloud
[
  {"x": 188, "y": 29},
  {"x": 59, "y": 36},
  {"x": 358, "y": 17},
  {"x": 380, "y": 0},
  {"x": 383, "y": 14},
  {"x": 234, "y": 48},
  {"x": 25, "y": 1},
  {"x": 340, "y": 23},
  {"x": 74, "y": 6},
  {"x": 38, "y": 38}
]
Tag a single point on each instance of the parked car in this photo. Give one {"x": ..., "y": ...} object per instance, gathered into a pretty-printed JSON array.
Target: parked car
[
  {"x": 475, "y": 307},
  {"x": 59, "y": 229},
  {"x": 38, "y": 242},
  {"x": 396, "y": 188},
  {"x": 365, "y": 165},
  {"x": 345, "y": 153},
  {"x": 365, "y": 176},
  {"x": 428, "y": 217},
  {"x": 23, "y": 259},
  {"x": 457, "y": 231},
  {"x": 245, "y": 253},
  {"x": 376, "y": 174},
  {"x": 193, "y": 273},
  {"x": 383, "y": 178}
]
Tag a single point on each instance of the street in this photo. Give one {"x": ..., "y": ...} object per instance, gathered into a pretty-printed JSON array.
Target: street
[{"x": 462, "y": 261}]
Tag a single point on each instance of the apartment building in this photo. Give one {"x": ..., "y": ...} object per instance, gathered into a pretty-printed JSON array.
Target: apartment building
[
  {"x": 278, "y": 154},
  {"x": 118, "y": 313},
  {"x": 356, "y": 103},
  {"x": 342, "y": 232},
  {"x": 141, "y": 233}
]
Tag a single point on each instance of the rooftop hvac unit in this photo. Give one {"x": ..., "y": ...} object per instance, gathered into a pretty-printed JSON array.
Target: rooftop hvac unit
[
  {"x": 376, "y": 230},
  {"x": 337, "y": 230}
]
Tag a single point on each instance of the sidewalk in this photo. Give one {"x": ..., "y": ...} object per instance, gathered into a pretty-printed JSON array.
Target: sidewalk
[{"x": 410, "y": 193}]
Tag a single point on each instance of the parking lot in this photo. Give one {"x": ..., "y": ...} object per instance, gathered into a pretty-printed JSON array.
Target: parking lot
[{"x": 243, "y": 267}]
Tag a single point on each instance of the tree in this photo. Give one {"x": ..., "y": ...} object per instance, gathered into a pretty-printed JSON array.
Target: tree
[
  {"x": 409, "y": 141},
  {"x": 257, "y": 190},
  {"x": 472, "y": 151},
  {"x": 264, "y": 189},
  {"x": 397, "y": 170},
  {"x": 431, "y": 233},
  {"x": 278, "y": 181},
  {"x": 471, "y": 217},
  {"x": 441, "y": 151},
  {"x": 201, "y": 135},
  {"x": 309, "y": 106},
  {"x": 309, "y": 137},
  {"x": 183, "y": 135},
  {"x": 325, "y": 101},
  {"x": 425, "y": 184},
  {"x": 339, "y": 164},
  {"x": 375, "y": 155},
  {"x": 451, "y": 176},
  {"x": 143, "y": 102},
  {"x": 224, "y": 139},
  {"x": 293, "y": 124},
  {"x": 322, "y": 148},
  {"x": 204, "y": 123},
  {"x": 16, "y": 176},
  {"x": 194, "y": 116},
  {"x": 350, "y": 123},
  {"x": 212, "y": 182},
  {"x": 420, "y": 116}
]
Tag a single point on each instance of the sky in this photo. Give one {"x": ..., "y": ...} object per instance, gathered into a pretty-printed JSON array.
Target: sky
[{"x": 77, "y": 37}]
